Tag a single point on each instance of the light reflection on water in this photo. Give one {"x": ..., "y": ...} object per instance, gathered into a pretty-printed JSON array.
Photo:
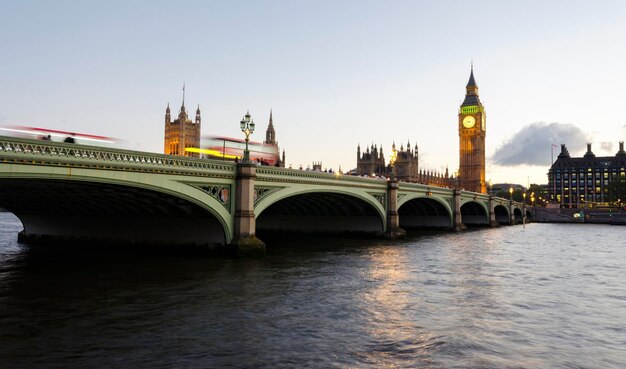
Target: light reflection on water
[{"x": 544, "y": 296}]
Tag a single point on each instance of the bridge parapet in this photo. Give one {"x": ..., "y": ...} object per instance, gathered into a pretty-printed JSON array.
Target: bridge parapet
[
  {"x": 306, "y": 176},
  {"x": 63, "y": 154}
]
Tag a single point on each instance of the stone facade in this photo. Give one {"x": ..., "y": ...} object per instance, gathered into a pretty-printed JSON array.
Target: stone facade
[
  {"x": 182, "y": 133},
  {"x": 575, "y": 182},
  {"x": 406, "y": 167}
]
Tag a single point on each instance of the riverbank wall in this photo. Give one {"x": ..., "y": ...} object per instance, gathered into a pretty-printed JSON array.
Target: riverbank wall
[{"x": 565, "y": 215}]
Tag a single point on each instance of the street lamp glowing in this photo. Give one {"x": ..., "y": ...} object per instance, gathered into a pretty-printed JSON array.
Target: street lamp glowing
[
  {"x": 511, "y": 192},
  {"x": 392, "y": 160},
  {"x": 247, "y": 127}
]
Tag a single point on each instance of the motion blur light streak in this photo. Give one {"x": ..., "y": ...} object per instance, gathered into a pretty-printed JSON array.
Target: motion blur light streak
[{"x": 34, "y": 132}]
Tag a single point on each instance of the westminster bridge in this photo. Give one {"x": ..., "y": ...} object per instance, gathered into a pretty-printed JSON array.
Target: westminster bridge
[{"x": 78, "y": 192}]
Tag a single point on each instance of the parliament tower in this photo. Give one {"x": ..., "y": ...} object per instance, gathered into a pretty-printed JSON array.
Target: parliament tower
[
  {"x": 182, "y": 133},
  {"x": 472, "y": 132},
  {"x": 270, "y": 139}
]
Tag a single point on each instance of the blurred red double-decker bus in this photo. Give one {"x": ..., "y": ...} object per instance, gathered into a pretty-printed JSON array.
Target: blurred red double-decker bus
[
  {"x": 228, "y": 148},
  {"x": 57, "y": 135}
]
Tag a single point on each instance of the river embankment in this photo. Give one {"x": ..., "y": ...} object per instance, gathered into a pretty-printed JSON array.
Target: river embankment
[{"x": 578, "y": 215}]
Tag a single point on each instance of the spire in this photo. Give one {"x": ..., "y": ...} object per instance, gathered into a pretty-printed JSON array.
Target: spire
[
  {"x": 471, "y": 82},
  {"x": 183, "y": 106},
  {"x": 198, "y": 114},
  {"x": 271, "y": 120},
  {"x": 168, "y": 117},
  {"x": 471, "y": 91},
  {"x": 270, "y": 133},
  {"x": 183, "y": 112}
]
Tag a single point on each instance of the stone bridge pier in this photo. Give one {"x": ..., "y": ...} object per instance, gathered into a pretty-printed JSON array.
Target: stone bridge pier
[
  {"x": 492, "y": 213},
  {"x": 245, "y": 242},
  {"x": 393, "y": 221},
  {"x": 512, "y": 212},
  {"x": 457, "y": 222}
]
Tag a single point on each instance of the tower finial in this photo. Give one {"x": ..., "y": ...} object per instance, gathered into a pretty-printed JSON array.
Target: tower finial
[{"x": 183, "y": 94}]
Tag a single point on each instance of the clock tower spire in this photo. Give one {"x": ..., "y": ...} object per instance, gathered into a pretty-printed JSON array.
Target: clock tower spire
[{"x": 472, "y": 132}]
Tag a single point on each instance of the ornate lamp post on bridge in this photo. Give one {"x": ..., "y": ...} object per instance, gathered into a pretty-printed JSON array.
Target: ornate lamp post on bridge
[
  {"x": 244, "y": 240},
  {"x": 247, "y": 127}
]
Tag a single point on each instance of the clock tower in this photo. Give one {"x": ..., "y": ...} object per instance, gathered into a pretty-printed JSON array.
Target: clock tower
[{"x": 472, "y": 132}]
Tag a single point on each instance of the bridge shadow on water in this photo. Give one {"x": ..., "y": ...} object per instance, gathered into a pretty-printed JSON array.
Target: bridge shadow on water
[{"x": 279, "y": 243}]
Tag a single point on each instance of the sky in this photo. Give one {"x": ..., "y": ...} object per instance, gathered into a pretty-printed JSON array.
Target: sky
[{"x": 335, "y": 74}]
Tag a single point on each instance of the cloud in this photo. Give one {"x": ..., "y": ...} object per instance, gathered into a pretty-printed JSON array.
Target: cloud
[
  {"x": 606, "y": 146},
  {"x": 531, "y": 145}
]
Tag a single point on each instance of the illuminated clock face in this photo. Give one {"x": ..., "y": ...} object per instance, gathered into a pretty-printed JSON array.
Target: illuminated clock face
[{"x": 469, "y": 121}]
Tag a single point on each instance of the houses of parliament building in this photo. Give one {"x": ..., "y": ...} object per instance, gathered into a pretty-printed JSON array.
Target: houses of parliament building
[
  {"x": 472, "y": 128},
  {"x": 182, "y": 134}
]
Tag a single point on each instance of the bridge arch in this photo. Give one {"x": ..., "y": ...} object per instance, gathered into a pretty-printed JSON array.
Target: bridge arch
[
  {"x": 502, "y": 214},
  {"x": 321, "y": 209},
  {"x": 424, "y": 211},
  {"x": 517, "y": 213},
  {"x": 474, "y": 213},
  {"x": 122, "y": 207}
]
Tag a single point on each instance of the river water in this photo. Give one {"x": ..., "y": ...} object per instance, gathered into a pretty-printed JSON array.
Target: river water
[{"x": 543, "y": 296}]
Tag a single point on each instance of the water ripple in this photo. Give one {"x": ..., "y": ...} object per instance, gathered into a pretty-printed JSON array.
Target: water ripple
[{"x": 546, "y": 296}]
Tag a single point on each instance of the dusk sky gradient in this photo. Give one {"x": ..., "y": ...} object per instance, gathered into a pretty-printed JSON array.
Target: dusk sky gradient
[{"x": 335, "y": 73}]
